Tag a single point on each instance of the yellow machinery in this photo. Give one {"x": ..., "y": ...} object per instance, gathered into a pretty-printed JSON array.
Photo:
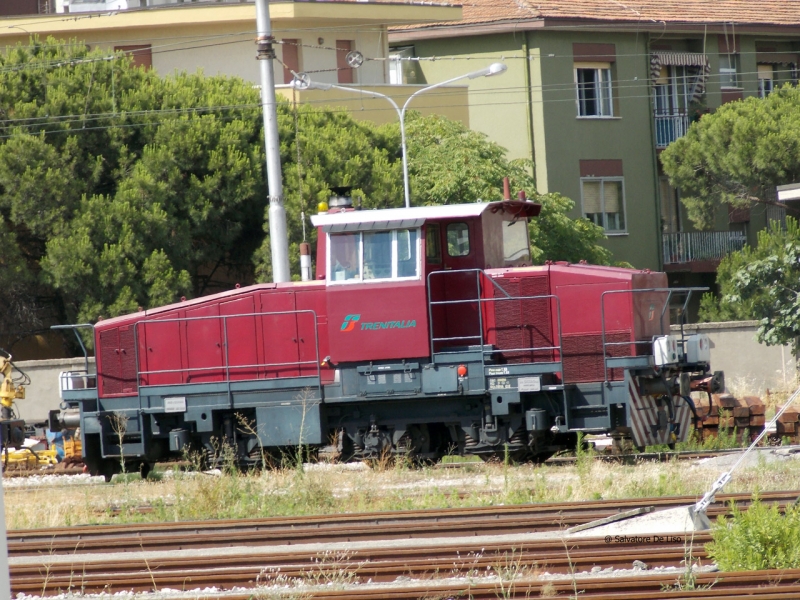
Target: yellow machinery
[
  {"x": 12, "y": 429},
  {"x": 16, "y": 454},
  {"x": 8, "y": 390}
]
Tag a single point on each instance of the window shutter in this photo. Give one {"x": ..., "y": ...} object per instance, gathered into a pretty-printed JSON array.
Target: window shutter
[
  {"x": 591, "y": 197},
  {"x": 611, "y": 195}
]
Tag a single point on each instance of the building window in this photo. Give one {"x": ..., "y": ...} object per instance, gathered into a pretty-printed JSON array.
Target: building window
[
  {"x": 593, "y": 81},
  {"x": 766, "y": 80},
  {"x": 604, "y": 202},
  {"x": 373, "y": 256},
  {"x": 290, "y": 49},
  {"x": 344, "y": 70},
  {"x": 458, "y": 239},
  {"x": 142, "y": 55},
  {"x": 401, "y": 69},
  {"x": 670, "y": 207},
  {"x": 728, "y": 68}
]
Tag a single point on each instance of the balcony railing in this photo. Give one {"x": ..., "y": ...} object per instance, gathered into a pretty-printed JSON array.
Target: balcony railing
[
  {"x": 670, "y": 127},
  {"x": 697, "y": 246}
]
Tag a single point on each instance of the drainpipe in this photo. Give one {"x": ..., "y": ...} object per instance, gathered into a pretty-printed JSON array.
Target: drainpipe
[
  {"x": 529, "y": 102},
  {"x": 659, "y": 233}
]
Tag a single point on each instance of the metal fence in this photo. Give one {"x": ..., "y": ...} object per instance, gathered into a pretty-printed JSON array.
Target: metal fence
[
  {"x": 669, "y": 128},
  {"x": 696, "y": 246}
]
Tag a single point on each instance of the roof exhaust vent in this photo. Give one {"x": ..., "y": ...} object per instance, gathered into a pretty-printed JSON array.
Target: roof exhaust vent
[{"x": 341, "y": 197}]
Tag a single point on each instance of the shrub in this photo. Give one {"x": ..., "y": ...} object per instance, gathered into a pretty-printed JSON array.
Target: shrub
[{"x": 758, "y": 538}]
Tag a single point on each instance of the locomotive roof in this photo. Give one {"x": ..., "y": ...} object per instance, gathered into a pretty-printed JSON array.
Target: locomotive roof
[{"x": 397, "y": 218}]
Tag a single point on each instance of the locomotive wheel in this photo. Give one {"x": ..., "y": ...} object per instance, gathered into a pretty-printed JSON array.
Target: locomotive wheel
[
  {"x": 144, "y": 469},
  {"x": 104, "y": 467}
]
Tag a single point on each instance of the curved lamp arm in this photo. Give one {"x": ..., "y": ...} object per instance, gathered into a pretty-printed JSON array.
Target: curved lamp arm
[{"x": 303, "y": 82}]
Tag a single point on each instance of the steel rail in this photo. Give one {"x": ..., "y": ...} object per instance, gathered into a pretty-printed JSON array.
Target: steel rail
[
  {"x": 719, "y": 585},
  {"x": 374, "y": 565},
  {"x": 487, "y": 520}
]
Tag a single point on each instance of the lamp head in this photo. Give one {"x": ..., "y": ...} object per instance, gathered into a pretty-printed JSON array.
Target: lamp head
[{"x": 493, "y": 69}]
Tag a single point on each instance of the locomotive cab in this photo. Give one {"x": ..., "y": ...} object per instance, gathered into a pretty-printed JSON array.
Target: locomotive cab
[{"x": 380, "y": 269}]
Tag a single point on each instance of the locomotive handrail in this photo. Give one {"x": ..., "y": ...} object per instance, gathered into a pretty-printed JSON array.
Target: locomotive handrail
[
  {"x": 669, "y": 291},
  {"x": 225, "y": 342},
  {"x": 480, "y": 301},
  {"x": 74, "y": 329}
]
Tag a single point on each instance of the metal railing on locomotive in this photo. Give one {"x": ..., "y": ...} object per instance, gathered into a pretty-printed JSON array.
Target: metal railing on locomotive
[
  {"x": 69, "y": 380},
  {"x": 302, "y": 81},
  {"x": 607, "y": 360},
  {"x": 547, "y": 366},
  {"x": 227, "y": 366}
]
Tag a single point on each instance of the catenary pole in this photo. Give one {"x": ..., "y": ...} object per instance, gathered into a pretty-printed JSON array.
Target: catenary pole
[
  {"x": 278, "y": 236},
  {"x": 5, "y": 575}
]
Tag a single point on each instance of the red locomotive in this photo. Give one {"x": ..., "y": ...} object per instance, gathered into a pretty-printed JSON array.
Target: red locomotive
[{"x": 426, "y": 331}]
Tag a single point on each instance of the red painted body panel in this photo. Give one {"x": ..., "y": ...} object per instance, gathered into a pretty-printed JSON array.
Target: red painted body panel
[
  {"x": 581, "y": 291},
  {"x": 193, "y": 350},
  {"x": 378, "y": 306},
  {"x": 248, "y": 350},
  {"x": 268, "y": 330}
]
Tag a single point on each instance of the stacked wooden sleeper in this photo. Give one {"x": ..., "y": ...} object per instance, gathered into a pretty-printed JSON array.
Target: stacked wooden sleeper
[{"x": 727, "y": 413}]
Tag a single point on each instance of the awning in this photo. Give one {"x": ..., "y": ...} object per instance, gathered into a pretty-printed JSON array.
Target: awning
[
  {"x": 776, "y": 58},
  {"x": 697, "y": 63},
  {"x": 407, "y": 218}
]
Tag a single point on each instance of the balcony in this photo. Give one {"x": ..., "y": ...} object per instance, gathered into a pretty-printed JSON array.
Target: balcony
[
  {"x": 670, "y": 127},
  {"x": 699, "y": 251}
]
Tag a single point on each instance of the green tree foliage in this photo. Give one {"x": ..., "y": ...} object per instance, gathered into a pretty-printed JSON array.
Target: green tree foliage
[
  {"x": 449, "y": 164},
  {"x": 763, "y": 283},
  {"x": 737, "y": 155},
  {"x": 120, "y": 188}
]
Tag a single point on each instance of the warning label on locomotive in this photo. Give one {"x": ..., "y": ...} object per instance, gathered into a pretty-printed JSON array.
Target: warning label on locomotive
[
  {"x": 499, "y": 383},
  {"x": 175, "y": 404},
  {"x": 490, "y": 371},
  {"x": 529, "y": 384}
]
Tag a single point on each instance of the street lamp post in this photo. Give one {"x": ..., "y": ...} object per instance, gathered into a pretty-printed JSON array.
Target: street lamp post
[{"x": 303, "y": 82}]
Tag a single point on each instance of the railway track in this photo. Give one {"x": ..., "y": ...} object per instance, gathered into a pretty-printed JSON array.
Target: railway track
[
  {"x": 392, "y": 525},
  {"x": 404, "y": 549},
  {"x": 555, "y": 460}
]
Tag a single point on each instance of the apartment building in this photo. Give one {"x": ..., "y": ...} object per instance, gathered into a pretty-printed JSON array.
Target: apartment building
[{"x": 595, "y": 90}]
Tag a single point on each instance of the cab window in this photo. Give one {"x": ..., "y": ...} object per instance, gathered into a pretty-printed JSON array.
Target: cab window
[
  {"x": 433, "y": 245},
  {"x": 373, "y": 255},
  {"x": 344, "y": 261},
  {"x": 515, "y": 241},
  {"x": 458, "y": 239}
]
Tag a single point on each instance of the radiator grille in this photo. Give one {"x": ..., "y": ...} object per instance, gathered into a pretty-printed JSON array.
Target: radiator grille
[
  {"x": 127, "y": 358},
  {"x": 109, "y": 355},
  {"x": 583, "y": 356},
  {"x": 118, "y": 356},
  {"x": 523, "y": 323}
]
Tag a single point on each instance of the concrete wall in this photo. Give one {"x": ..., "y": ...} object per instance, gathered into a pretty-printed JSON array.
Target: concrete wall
[
  {"x": 41, "y": 396},
  {"x": 749, "y": 367}
]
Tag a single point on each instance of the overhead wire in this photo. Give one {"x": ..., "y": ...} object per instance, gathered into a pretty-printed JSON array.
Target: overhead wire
[{"x": 632, "y": 84}]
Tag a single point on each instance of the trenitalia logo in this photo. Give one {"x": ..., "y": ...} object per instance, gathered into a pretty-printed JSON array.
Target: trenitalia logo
[{"x": 349, "y": 324}]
